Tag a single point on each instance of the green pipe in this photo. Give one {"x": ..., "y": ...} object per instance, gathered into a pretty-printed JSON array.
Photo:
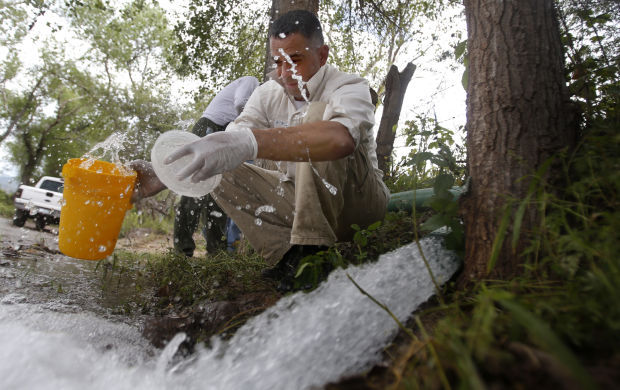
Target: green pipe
[{"x": 404, "y": 200}]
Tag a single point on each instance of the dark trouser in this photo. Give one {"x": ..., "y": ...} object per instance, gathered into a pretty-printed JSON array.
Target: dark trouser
[{"x": 189, "y": 210}]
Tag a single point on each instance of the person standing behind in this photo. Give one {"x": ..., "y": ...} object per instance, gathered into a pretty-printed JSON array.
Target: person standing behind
[{"x": 223, "y": 109}]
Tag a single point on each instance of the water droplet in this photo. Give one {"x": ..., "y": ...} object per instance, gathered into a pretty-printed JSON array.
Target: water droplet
[
  {"x": 331, "y": 188},
  {"x": 258, "y": 221},
  {"x": 264, "y": 209},
  {"x": 102, "y": 248}
]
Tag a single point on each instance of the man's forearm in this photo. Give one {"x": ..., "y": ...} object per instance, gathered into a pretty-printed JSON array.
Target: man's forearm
[{"x": 317, "y": 141}]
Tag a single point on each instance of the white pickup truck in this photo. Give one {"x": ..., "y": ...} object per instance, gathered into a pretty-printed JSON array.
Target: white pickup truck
[{"x": 41, "y": 202}]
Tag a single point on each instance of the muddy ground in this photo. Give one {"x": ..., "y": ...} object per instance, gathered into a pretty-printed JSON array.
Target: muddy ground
[
  {"x": 140, "y": 240},
  {"x": 32, "y": 270}
]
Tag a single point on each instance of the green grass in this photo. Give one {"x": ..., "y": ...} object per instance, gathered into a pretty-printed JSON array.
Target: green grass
[
  {"x": 221, "y": 277},
  {"x": 157, "y": 222},
  {"x": 558, "y": 322},
  {"x": 551, "y": 326},
  {"x": 7, "y": 209}
]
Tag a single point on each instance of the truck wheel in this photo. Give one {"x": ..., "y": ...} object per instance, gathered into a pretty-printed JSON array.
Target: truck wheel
[
  {"x": 39, "y": 222},
  {"x": 20, "y": 217}
]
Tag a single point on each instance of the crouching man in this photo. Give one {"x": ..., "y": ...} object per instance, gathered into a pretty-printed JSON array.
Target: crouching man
[{"x": 314, "y": 123}]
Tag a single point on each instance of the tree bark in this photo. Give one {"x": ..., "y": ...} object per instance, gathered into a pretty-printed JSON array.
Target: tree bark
[
  {"x": 395, "y": 87},
  {"x": 280, "y": 7},
  {"x": 518, "y": 115}
]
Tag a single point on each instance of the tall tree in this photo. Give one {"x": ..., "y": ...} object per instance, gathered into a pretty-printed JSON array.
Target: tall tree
[
  {"x": 53, "y": 119},
  {"x": 17, "y": 20},
  {"x": 368, "y": 37},
  {"x": 518, "y": 116},
  {"x": 395, "y": 87},
  {"x": 221, "y": 40},
  {"x": 130, "y": 48},
  {"x": 74, "y": 96}
]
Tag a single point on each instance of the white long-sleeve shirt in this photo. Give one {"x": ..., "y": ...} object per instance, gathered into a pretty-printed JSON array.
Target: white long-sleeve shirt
[
  {"x": 229, "y": 102},
  {"x": 348, "y": 102}
]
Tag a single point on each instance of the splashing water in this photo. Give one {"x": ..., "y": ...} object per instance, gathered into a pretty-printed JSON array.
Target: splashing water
[
  {"x": 112, "y": 145},
  {"x": 301, "y": 84},
  {"x": 330, "y": 187},
  {"x": 264, "y": 209},
  {"x": 304, "y": 341}
]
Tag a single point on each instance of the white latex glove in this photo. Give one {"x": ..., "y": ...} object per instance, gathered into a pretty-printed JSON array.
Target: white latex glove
[{"x": 216, "y": 153}]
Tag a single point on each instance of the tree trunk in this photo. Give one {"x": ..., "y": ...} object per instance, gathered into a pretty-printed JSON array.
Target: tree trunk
[
  {"x": 280, "y": 7},
  {"x": 395, "y": 87},
  {"x": 518, "y": 115}
]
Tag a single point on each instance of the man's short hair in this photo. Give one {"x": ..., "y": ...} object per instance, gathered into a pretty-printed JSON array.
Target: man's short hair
[{"x": 298, "y": 21}]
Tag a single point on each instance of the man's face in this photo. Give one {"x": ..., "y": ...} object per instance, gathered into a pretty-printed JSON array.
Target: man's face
[{"x": 294, "y": 58}]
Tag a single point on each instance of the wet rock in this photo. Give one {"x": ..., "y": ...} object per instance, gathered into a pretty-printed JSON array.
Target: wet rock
[{"x": 11, "y": 251}]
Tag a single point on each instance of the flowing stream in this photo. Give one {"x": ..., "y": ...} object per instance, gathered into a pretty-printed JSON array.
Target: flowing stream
[{"x": 304, "y": 341}]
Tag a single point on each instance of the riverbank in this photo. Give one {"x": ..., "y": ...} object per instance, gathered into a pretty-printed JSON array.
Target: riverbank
[{"x": 504, "y": 334}]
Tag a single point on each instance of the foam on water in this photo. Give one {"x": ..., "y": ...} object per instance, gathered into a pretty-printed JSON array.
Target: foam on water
[{"x": 305, "y": 340}]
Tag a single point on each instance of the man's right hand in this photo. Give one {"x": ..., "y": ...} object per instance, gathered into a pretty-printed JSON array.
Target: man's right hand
[{"x": 147, "y": 182}]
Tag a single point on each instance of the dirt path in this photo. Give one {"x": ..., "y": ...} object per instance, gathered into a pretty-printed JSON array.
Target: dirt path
[
  {"x": 11, "y": 235},
  {"x": 32, "y": 270},
  {"x": 139, "y": 240}
]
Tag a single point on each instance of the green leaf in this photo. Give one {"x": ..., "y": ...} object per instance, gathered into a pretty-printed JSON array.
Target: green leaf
[
  {"x": 435, "y": 222},
  {"x": 420, "y": 157},
  {"x": 443, "y": 182},
  {"x": 465, "y": 78},
  {"x": 519, "y": 219},
  {"x": 499, "y": 240},
  {"x": 459, "y": 50},
  {"x": 301, "y": 269},
  {"x": 374, "y": 226}
]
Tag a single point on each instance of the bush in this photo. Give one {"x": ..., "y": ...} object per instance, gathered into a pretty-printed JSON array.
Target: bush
[{"x": 7, "y": 209}]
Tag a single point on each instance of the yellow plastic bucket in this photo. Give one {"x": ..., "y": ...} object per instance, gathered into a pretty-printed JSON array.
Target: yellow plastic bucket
[{"x": 96, "y": 196}]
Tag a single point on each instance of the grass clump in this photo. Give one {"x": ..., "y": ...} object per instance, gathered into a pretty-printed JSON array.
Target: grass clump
[
  {"x": 155, "y": 214},
  {"x": 557, "y": 324},
  {"x": 184, "y": 281},
  {"x": 7, "y": 208}
]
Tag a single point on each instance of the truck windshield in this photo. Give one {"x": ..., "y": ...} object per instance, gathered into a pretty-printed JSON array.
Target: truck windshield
[{"x": 50, "y": 185}]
